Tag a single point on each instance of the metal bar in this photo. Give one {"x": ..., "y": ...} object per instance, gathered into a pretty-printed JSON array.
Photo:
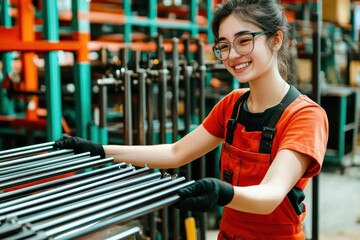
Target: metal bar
[
  {"x": 103, "y": 99},
  {"x": 26, "y": 148},
  {"x": 316, "y": 97},
  {"x": 27, "y": 152},
  {"x": 175, "y": 119},
  {"x": 117, "y": 206},
  {"x": 52, "y": 72},
  {"x": 7, "y": 106},
  {"x": 201, "y": 84},
  {"x": 125, "y": 217},
  {"x": 56, "y": 172},
  {"x": 23, "y": 169},
  {"x": 33, "y": 159},
  {"x": 142, "y": 111},
  {"x": 47, "y": 169},
  {"x": 128, "y": 136},
  {"x": 125, "y": 234},
  {"x": 163, "y": 73},
  {"x": 80, "y": 26},
  {"x": 175, "y": 88},
  {"x": 90, "y": 215},
  {"x": 150, "y": 110},
  {"x": 69, "y": 189},
  {"x": 76, "y": 202},
  {"x": 20, "y": 193}
]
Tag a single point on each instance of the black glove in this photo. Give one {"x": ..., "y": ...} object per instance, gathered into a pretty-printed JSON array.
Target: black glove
[
  {"x": 205, "y": 194},
  {"x": 80, "y": 145}
]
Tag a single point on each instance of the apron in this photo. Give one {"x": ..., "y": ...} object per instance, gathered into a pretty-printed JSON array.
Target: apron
[{"x": 248, "y": 166}]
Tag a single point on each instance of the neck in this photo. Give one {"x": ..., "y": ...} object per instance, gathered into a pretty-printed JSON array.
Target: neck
[{"x": 266, "y": 95}]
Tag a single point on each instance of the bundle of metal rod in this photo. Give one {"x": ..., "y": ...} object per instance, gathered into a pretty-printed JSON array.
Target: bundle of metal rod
[{"x": 80, "y": 204}]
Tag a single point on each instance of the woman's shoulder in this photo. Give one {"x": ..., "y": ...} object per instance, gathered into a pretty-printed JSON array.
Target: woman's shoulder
[{"x": 306, "y": 108}]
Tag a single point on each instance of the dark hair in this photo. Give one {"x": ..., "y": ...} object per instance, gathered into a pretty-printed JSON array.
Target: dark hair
[{"x": 267, "y": 15}]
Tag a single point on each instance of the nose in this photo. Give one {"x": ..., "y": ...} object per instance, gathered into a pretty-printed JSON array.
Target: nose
[{"x": 233, "y": 52}]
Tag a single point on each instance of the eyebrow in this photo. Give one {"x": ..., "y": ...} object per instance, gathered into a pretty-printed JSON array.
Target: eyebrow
[{"x": 235, "y": 35}]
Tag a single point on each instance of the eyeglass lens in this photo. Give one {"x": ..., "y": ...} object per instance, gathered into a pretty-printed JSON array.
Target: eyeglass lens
[{"x": 242, "y": 44}]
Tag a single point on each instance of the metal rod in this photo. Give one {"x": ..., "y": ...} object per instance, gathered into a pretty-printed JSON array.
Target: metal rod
[
  {"x": 103, "y": 99},
  {"x": 115, "y": 190},
  {"x": 55, "y": 172},
  {"x": 201, "y": 84},
  {"x": 36, "y": 160},
  {"x": 134, "y": 231},
  {"x": 107, "y": 209},
  {"x": 26, "y": 152},
  {"x": 26, "y": 148},
  {"x": 20, "y": 193},
  {"x": 68, "y": 190},
  {"x": 150, "y": 110},
  {"x": 128, "y": 137},
  {"x": 163, "y": 76},
  {"x": 316, "y": 97},
  {"x": 142, "y": 111},
  {"x": 175, "y": 119},
  {"x": 124, "y": 217},
  {"x": 163, "y": 73},
  {"x": 46, "y": 169}
]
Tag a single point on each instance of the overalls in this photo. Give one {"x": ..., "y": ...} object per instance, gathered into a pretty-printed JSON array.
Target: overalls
[{"x": 248, "y": 167}]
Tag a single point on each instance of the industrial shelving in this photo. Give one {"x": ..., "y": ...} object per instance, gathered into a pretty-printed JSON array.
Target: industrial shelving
[{"x": 39, "y": 31}]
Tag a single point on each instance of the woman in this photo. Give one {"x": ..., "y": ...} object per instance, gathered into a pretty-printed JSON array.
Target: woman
[{"x": 273, "y": 138}]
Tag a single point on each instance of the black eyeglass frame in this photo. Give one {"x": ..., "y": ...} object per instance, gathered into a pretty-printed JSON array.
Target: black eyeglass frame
[{"x": 230, "y": 44}]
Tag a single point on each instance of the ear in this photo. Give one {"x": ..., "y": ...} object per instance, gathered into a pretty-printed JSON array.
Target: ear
[{"x": 277, "y": 40}]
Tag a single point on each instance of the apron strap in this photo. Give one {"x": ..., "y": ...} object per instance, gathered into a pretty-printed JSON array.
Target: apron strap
[
  {"x": 231, "y": 125},
  {"x": 268, "y": 132}
]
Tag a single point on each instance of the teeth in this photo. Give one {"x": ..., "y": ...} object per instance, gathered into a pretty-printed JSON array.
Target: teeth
[{"x": 242, "y": 65}]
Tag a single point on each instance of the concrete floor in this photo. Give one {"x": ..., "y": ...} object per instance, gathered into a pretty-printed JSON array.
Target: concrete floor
[{"x": 339, "y": 204}]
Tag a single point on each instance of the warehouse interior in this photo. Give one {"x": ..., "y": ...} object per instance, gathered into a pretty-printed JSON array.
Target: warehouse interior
[{"x": 143, "y": 72}]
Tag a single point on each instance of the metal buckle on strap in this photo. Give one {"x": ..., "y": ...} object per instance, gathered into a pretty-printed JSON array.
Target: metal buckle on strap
[
  {"x": 231, "y": 124},
  {"x": 267, "y": 137},
  {"x": 268, "y": 133}
]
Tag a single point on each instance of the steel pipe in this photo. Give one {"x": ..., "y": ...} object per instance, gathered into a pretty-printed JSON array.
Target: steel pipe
[{"x": 22, "y": 194}]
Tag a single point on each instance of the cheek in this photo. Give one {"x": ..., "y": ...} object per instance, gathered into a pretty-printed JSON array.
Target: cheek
[{"x": 227, "y": 66}]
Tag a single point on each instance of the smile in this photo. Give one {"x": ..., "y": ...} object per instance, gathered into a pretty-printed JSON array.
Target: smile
[{"x": 243, "y": 65}]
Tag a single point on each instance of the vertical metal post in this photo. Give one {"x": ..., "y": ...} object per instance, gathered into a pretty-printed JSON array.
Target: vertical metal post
[
  {"x": 194, "y": 9},
  {"x": 316, "y": 19},
  {"x": 128, "y": 136},
  {"x": 163, "y": 73},
  {"x": 127, "y": 25},
  {"x": 103, "y": 99},
  {"x": 201, "y": 84},
  {"x": 209, "y": 16},
  {"x": 82, "y": 78},
  {"x": 152, "y": 17},
  {"x": 52, "y": 72},
  {"x": 6, "y": 105},
  {"x": 175, "y": 88},
  {"x": 175, "y": 118},
  {"x": 150, "y": 111},
  {"x": 142, "y": 110},
  {"x": 26, "y": 14}
]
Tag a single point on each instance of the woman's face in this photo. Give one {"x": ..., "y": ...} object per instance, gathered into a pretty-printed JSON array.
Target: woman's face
[{"x": 256, "y": 64}]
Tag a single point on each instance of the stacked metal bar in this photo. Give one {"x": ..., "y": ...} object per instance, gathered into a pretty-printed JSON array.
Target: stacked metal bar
[{"x": 63, "y": 195}]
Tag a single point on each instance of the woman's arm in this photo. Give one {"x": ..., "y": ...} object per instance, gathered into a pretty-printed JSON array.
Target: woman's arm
[
  {"x": 192, "y": 146},
  {"x": 286, "y": 169}
]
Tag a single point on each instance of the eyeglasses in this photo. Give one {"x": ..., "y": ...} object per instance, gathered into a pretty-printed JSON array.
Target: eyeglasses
[{"x": 243, "y": 44}]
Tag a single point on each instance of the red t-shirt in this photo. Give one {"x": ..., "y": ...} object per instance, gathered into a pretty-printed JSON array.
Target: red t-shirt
[{"x": 303, "y": 128}]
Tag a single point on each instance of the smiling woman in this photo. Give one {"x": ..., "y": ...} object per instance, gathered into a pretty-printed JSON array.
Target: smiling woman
[{"x": 268, "y": 152}]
